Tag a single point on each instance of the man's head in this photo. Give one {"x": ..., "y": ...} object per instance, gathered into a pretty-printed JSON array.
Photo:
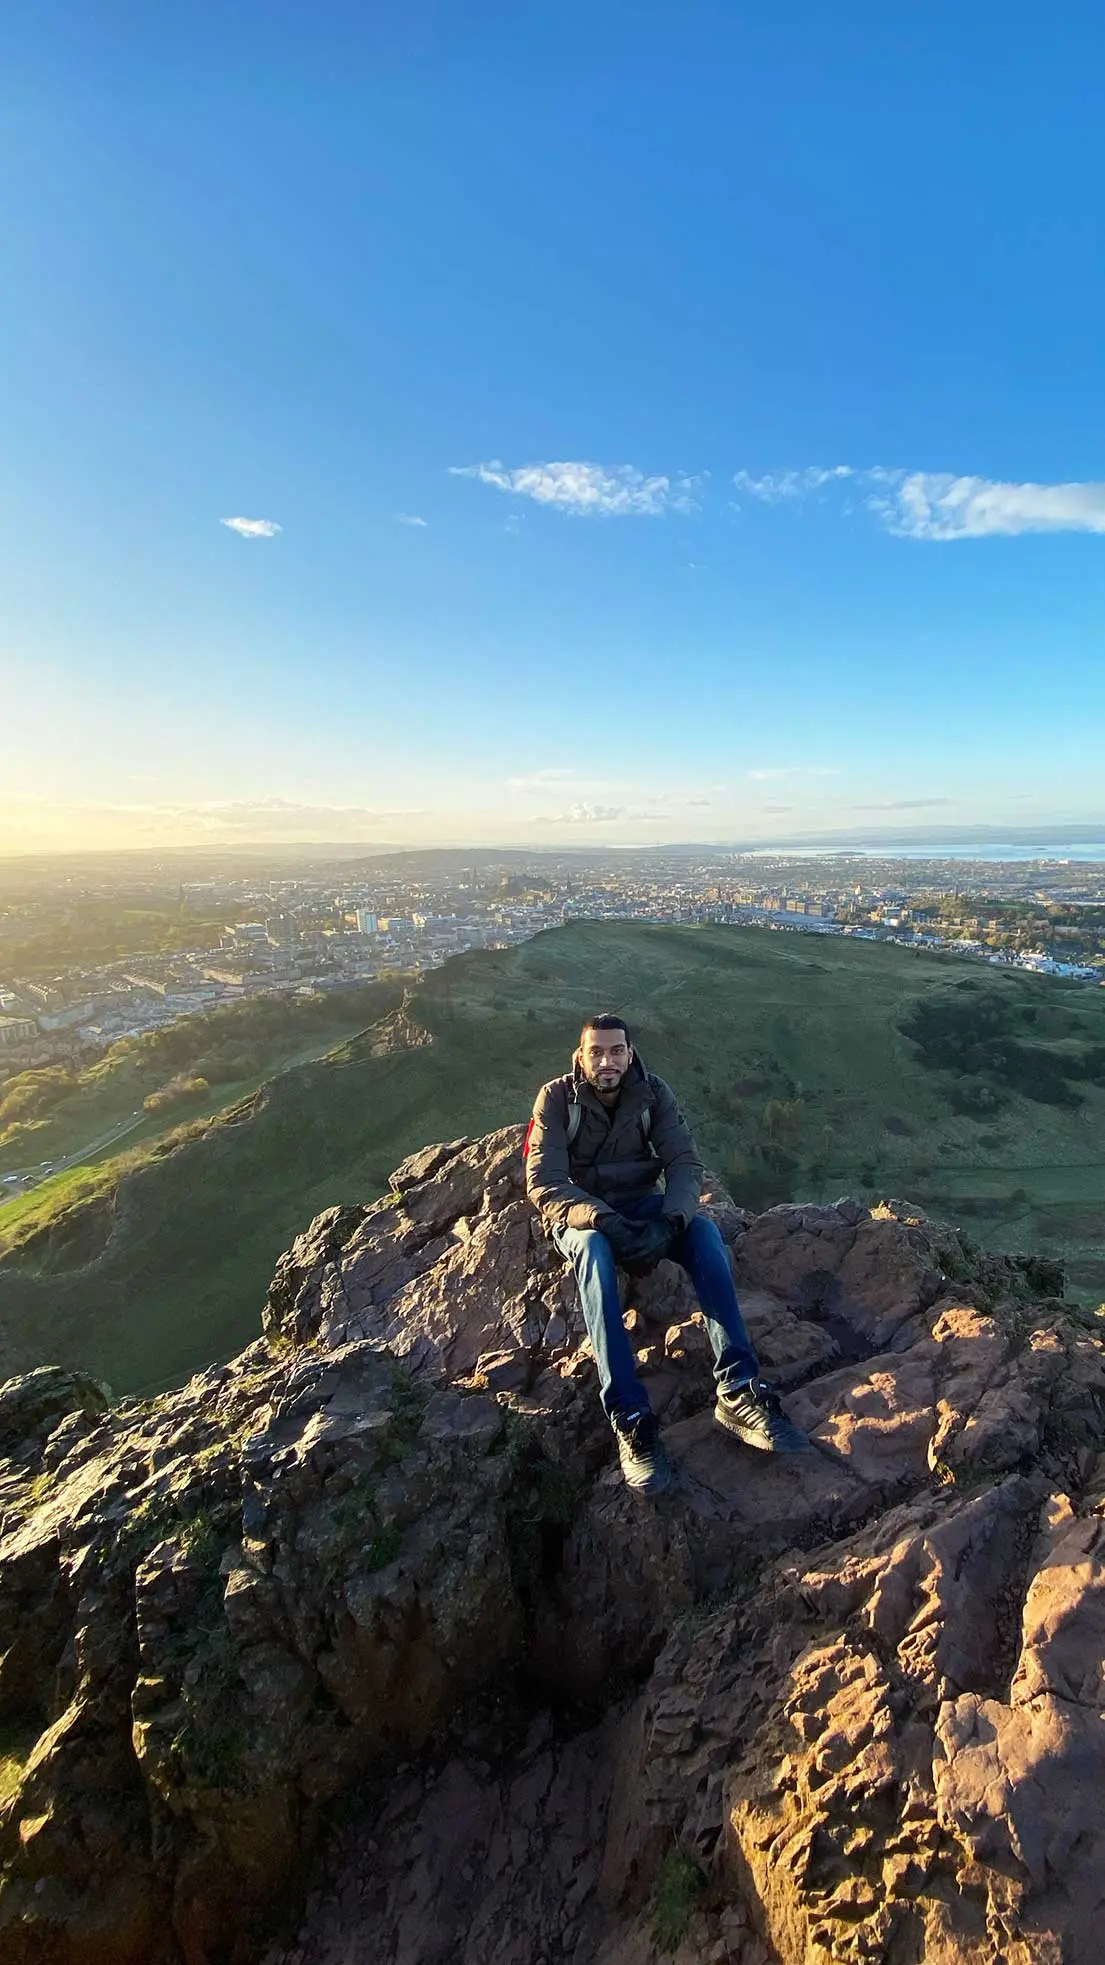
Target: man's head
[{"x": 605, "y": 1052}]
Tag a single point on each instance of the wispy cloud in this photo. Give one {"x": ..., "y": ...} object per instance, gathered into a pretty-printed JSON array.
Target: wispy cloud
[
  {"x": 911, "y": 504},
  {"x": 584, "y": 814},
  {"x": 253, "y": 528},
  {"x": 904, "y": 804},
  {"x": 411, "y": 518},
  {"x": 591, "y": 810},
  {"x": 776, "y": 486},
  {"x": 555, "y": 774},
  {"x": 939, "y": 505},
  {"x": 588, "y": 490}
]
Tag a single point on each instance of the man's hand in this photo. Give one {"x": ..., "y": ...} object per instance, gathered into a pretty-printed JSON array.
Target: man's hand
[
  {"x": 623, "y": 1236},
  {"x": 655, "y": 1243},
  {"x": 638, "y": 1245}
]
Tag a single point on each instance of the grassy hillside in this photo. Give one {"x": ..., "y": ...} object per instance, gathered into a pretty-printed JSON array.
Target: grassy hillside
[
  {"x": 189, "y": 1069},
  {"x": 790, "y": 1056}
]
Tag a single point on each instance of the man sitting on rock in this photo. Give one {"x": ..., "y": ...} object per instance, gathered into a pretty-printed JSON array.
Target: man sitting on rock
[{"x": 602, "y": 1140}]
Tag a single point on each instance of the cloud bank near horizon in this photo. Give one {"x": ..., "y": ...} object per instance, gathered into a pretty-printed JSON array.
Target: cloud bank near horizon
[
  {"x": 40, "y": 826},
  {"x": 36, "y": 825}
]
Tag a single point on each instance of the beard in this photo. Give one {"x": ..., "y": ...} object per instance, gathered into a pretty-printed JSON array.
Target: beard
[{"x": 606, "y": 1081}]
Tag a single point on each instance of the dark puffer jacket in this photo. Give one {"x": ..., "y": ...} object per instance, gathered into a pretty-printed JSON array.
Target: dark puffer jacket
[{"x": 611, "y": 1160}]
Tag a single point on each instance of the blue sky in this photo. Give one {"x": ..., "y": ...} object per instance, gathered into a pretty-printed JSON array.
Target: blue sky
[{"x": 685, "y": 424}]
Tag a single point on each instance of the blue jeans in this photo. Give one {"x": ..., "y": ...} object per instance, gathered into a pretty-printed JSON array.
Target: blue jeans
[{"x": 705, "y": 1258}]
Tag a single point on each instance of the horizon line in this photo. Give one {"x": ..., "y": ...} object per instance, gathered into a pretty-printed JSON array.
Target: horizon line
[{"x": 823, "y": 840}]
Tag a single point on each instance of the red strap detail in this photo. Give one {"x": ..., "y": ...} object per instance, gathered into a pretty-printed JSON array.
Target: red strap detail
[{"x": 526, "y": 1141}]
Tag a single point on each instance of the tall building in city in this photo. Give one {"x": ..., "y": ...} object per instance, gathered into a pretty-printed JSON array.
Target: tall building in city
[
  {"x": 367, "y": 922},
  {"x": 281, "y": 930}
]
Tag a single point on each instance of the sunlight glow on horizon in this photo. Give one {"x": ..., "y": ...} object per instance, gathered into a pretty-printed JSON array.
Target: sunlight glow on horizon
[{"x": 44, "y": 827}]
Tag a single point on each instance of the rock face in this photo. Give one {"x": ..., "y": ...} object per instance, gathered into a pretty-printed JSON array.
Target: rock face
[
  {"x": 848, "y": 1707},
  {"x": 218, "y": 1610}
]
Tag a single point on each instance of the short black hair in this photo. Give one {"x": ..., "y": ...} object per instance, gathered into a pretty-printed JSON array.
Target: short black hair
[{"x": 607, "y": 1021}]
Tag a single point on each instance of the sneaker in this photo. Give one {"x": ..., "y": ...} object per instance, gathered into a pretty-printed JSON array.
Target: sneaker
[
  {"x": 755, "y": 1415},
  {"x": 643, "y": 1460}
]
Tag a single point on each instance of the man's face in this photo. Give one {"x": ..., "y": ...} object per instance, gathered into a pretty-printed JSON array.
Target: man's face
[{"x": 605, "y": 1057}]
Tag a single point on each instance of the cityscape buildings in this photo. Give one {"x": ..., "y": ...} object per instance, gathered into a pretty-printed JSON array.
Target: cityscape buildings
[{"x": 330, "y": 927}]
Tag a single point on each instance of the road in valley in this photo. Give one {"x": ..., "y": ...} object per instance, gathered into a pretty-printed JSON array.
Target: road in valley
[{"x": 29, "y": 1177}]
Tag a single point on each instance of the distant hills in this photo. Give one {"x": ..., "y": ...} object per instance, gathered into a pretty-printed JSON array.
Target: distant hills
[{"x": 810, "y": 1068}]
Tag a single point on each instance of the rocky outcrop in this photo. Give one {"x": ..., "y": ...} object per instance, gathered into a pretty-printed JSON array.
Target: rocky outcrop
[
  {"x": 218, "y": 1610},
  {"x": 397, "y": 1032},
  {"x": 847, "y": 1707}
]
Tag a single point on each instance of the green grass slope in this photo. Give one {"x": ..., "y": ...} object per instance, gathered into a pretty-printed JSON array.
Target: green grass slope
[
  {"x": 55, "y": 1113},
  {"x": 790, "y": 1056}
]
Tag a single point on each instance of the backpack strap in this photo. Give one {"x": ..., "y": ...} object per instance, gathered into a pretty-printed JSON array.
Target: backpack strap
[{"x": 574, "y": 1121}]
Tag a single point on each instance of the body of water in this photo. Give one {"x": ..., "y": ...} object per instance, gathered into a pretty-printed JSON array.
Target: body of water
[
  {"x": 1081, "y": 849},
  {"x": 872, "y": 848}
]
